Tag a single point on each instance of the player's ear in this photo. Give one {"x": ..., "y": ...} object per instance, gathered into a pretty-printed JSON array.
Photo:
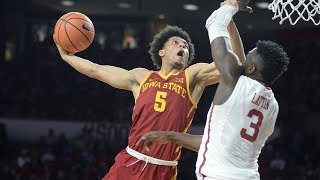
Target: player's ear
[
  {"x": 161, "y": 52},
  {"x": 251, "y": 69}
]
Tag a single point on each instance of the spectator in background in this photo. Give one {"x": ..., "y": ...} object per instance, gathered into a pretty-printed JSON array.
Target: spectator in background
[
  {"x": 23, "y": 158},
  {"x": 48, "y": 156},
  {"x": 278, "y": 163},
  {"x": 129, "y": 40},
  {"x": 51, "y": 137}
]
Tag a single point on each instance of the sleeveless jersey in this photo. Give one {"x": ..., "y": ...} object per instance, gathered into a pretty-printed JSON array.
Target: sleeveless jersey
[
  {"x": 164, "y": 104},
  {"x": 236, "y": 131}
]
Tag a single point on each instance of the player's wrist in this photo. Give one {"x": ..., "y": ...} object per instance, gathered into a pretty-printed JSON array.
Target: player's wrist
[
  {"x": 173, "y": 136},
  {"x": 219, "y": 20}
]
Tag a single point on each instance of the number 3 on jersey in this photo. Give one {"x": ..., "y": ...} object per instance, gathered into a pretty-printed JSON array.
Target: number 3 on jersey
[
  {"x": 160, "y": 101},
  {"x": 255, "y": 126}
]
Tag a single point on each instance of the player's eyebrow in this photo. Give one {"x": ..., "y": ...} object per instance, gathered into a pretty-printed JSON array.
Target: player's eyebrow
[{"x": 180, "y": 39}]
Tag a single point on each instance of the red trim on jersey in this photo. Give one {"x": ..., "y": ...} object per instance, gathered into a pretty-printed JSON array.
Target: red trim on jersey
[
  {"x": 207, "y": 142},
  {"x": 203, "y": 176},
  {"x": 267, "y": 87}
]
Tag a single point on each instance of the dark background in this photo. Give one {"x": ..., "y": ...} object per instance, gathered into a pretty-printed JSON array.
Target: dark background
[{"x": 37, "y": 85}]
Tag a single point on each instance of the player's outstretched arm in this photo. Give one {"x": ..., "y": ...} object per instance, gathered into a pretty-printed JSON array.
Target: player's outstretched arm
[
  {"x": 236, "y": 42},
  {"x": 114, "y": 76},
  {"x": 221, "y": 47},
  {"x": 188, "y": 141},
  {"x": 208, "y": 73}
]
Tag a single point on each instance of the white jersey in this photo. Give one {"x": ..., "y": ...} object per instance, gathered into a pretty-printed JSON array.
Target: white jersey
[{"x": 236, "y": 131}]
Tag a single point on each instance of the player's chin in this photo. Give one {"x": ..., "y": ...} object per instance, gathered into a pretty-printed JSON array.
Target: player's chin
[
  {"x": 179, "y": 65},
  {"x": 180, "y": 59}
]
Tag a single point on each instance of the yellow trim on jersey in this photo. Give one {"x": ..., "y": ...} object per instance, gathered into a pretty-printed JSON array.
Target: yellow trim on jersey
[
  {"x": 190, "y": 111},
  {"x": 174, "y": 177},
  {"x": 188, "y": 89},
  {"x": 142, "y": 82},
  {"x": 178, "y": 150},
  {"x": 187, "y": 128},
  {"x": 167, "y": 76}
]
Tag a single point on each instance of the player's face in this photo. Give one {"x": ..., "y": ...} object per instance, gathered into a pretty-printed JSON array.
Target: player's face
[{"x": 176, "y": 52}]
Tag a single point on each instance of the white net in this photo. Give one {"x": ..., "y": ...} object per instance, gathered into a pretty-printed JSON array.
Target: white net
[{"x": 294, "y": 10}]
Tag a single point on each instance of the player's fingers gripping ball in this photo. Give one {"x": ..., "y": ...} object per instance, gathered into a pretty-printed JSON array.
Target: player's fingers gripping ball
[{"x": 74, "y": 32}]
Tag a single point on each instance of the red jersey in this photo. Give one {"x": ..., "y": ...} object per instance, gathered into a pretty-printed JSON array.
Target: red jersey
[{"x": 164, "y": 104}]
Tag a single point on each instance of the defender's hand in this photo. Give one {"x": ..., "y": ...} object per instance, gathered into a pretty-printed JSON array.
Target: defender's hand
[
  {"x": 161, "y": 137},
  {"x": 243, "y": 4}
]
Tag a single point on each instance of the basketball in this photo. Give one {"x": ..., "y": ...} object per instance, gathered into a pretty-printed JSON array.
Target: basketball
[{"x": 74, "y": 32}]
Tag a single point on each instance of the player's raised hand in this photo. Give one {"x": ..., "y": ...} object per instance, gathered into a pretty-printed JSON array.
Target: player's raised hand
[
  {"x": 243, "y": 4},
  {"x": 230, "y": 2},
  {"x": 161, "y": 137},
  {"x": 62, "y": 52}
]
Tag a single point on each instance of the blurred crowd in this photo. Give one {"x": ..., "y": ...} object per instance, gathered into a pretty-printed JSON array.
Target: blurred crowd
[
  {"x": 90, "y": 154},
  {"x": 87, "y": 156},
  {"x": 37, "y": 84}
]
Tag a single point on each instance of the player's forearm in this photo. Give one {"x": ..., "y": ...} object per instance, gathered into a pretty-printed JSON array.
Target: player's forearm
[
  {"x": 83, "y": 66},
  {"x": 188, "y": 141},
  {"x": 221, "y": 48},
  {"x": 236, "y": 41},
  {"x": 114, "y": 76}
]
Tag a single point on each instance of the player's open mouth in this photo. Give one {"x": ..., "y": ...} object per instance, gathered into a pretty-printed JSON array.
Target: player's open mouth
[{"x": 180, "y": 53}]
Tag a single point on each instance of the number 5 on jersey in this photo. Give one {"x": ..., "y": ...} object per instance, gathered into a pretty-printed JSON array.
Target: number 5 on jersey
[{"x": 160, "y": 101}]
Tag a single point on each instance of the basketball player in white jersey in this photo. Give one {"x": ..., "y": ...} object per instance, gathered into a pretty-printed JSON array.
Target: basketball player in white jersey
[{"x": 244, "y": 110}]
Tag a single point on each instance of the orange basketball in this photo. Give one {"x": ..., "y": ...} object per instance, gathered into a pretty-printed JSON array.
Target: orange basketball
[{"x": 74, "y": 32}]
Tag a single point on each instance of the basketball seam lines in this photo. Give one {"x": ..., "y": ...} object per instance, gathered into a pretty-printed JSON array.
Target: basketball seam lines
[
  {"x": 77, "y": 29},
  {"x": 62, "y": 20},
  {"x": 65, "y": 29},
  {"x": 81, "y": 19}
]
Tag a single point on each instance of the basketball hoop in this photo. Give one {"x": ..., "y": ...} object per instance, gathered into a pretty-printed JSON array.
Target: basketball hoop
[{"x": 294, "y": 10}]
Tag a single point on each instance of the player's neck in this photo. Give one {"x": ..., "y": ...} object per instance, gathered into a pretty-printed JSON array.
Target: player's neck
[
  {"x": 169, "y": 70},
  {"x": 255, "y": 77}
]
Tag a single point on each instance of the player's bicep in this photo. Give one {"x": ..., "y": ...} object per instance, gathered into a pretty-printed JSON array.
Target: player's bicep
[
  {"x": 114, "y": 76},
  {"x": 206, "y": 73}
]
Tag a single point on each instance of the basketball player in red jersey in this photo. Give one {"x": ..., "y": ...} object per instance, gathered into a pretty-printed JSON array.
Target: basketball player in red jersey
[{"x": 165, "y": 99}]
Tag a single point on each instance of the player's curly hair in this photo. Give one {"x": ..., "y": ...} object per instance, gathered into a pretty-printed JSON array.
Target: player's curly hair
[
  {"x": 161, "y": 38},
  {"x": 275, "y": 60}
]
